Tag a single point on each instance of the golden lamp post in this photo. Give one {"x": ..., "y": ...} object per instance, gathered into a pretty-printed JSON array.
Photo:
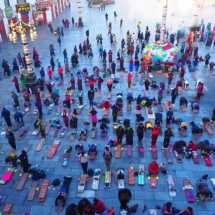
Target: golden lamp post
[
  {"x": 21, "y": 28},
  {"x": 80, "y": 20}
]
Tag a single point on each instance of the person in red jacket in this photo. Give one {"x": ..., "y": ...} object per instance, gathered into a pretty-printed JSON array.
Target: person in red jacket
[
  {"x": 129, "y": 77},
  {"x": 49, "y": 73},
  {"x": 192, "y": 146},
  {"x": 60, "y": 72},
  {"x": 98, "y": 206},
  {"x": 92, "y": 82},
  {"x": 67, "y": 99},
  {"x": 16, "y": 83},
  {"x": 154, "y": 137},
  {"x": 109, "y": 85}
]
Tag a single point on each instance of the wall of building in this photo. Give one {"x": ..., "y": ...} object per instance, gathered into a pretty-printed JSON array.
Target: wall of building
[{"x": 57, "y": 7}]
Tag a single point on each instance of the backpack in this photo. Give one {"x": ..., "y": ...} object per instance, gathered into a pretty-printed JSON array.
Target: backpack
[
  {"x": 56, "y": 182},
  {"x": 116, "y": 80}
]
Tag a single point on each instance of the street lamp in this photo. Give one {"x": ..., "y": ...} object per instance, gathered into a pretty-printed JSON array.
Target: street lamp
[
  {"x": 80, "y": 21},
  {"x": 21, "y": 28}
]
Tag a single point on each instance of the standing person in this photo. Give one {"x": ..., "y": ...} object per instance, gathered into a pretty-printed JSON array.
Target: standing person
[
  {"x": 87, "y": 33},
  {"x": 79, "y": 94},
  {"x": 121, "y": 63},
  {"x": 170, "y": 77},
  {"x": 16, "y": 83},
  {"x": 110, "y": 56},
  {"x": 60, "y": 72},
  {"x": 131, "y": 65},
  {"x": 51, "y": 50},
  {"x": 84, "y": 163},
  {"x": 72, "y": 81},
  {"x": 207, "y": 59},
  {"x": 49, "y": 73},
  {"x": 93, "y": 113},
  {"x": 136, "y": 64},
  {"x": 26, "y": 97},
  {"x": 92, "y": 82},
  {"x": 38, "y": 105},
  {"x": 79, "y": 82},
  {"x": 52, "y": 63},
  {"x": 129, "y": 132},
  {"x": 59, "y": 41},
  {"x": 75, "y": 119},
  {"x": 91, "y": 97},
  {"x": 147, "y": 83},
  {"x": 120, "y": 132},
  {"x": 106, "y": 16},
  {"x": 41, "y": 127},
  {"x": 65, "y": 118},
  {"x": 140, "y": 132},
  {"x": 114, "y": 112},
  {"x": 160, "y": 95},
  {"x": 199, "y": 90},
  {"x": 15, "y": 99},
  {"x": 99, "y": 81},
  {"x": 23, "y": 157},
  {"x": 6, "y": 114},
  {"x": 73, "y": 21},
  {"x": 65, "y": 55},
  {"x": 121, "y": 21},
  {"x": 124, "y": 196},
  {"x": 15, "y": 65},
  {"x": 61, "y": 31},
  {"x": 107, "y": 155},
  {"x": 129, "y": 78},
  {"x": 113, "y": 67},
  {"x": 154, "y": 137},
  {"x": 11, "y": 140},
  {"x": 167, "y": 135},
  {"x": 67, "y": 100},
  {"x": 42, "y": 74},
  {"x": 174, "y": 94},
  {"x": 19, "y": 57}
]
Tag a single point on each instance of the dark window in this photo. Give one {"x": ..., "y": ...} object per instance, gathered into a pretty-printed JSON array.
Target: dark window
[{"x": 7, "y": 3}]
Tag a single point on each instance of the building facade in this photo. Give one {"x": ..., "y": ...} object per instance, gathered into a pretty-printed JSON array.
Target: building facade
[{"x": 41, "y": 11}]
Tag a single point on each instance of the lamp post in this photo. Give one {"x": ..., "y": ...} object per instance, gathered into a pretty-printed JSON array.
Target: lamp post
[
  {"x": 21, "y": 28},
  {"x": 163, "y": 25},
  {"x": 80, "y": 20}
]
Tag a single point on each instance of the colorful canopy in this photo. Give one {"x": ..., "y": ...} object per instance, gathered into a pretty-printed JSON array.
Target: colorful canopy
[{"x": 162, "y": 52}]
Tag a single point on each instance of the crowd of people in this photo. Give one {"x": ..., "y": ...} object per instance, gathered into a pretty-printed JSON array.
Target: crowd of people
[{"x": 134, "y": 44}]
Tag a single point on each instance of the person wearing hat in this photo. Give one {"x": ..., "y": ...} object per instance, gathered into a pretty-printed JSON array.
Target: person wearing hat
[{"x": 107, "y": 155}]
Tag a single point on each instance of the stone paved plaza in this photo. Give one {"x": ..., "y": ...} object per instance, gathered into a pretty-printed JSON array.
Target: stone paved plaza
[{"x": 94, "y": 20}]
